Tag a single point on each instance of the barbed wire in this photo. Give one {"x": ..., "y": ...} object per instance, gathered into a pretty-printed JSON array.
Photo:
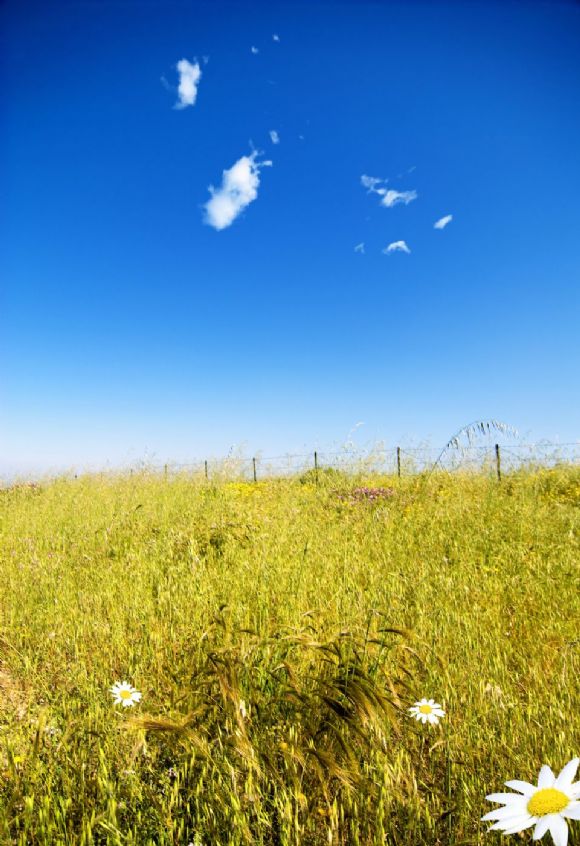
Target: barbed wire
[
  {"x": 387, "y": 459},
  {"x": 375, "y": 452},
  {"x": 395, "y": 460}
]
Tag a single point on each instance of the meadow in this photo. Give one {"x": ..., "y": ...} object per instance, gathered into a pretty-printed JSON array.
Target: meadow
[{"x": 278, "y": 632}]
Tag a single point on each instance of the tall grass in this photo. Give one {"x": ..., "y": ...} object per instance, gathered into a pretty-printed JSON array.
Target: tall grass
[{"x": 278, "y": 632}]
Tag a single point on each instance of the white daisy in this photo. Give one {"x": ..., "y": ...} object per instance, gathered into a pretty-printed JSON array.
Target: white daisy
[
  {"x": 428, "y": 711},
  {"x": 545, "y": 806},
  {"x": 124, "y": 694}
]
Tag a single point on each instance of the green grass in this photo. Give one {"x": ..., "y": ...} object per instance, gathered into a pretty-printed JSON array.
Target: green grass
[{"x": 278, "y": 633}]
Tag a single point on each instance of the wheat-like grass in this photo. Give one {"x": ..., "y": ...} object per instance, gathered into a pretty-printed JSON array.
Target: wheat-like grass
[{"x": 278, "y": 633}]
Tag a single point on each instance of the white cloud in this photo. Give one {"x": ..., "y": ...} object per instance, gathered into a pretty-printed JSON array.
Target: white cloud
[
  {"x": 360, "y": 248},
  {"x": 391, "y": 198},
  {"x": 189, "y": 76},
  {"x": 254, "y": 50},
  {"x": 397, "y": 247},
  {"x": 275, "y": 37},
  {"x": 371, "y": 183},
  {"x": 274, "y": 137},
  {"x": 443, "y": 221},
  {"x": 238, "y": 189}
]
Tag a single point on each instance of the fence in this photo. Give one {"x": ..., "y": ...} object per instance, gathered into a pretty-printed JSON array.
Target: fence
[{"x": 495, "y": 458}]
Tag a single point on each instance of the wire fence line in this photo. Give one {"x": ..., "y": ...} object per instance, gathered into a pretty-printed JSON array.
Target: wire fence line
[{"x": 494, "y": 458}]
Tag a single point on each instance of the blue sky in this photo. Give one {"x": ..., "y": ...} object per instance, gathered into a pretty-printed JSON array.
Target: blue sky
[{"x": 132, "y": 327}]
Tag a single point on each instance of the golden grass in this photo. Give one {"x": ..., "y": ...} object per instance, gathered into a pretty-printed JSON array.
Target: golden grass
[{"x": 278, "y": 633}]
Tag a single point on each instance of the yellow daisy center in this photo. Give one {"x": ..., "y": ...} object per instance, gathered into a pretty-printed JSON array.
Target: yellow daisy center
[
  {"x": 547, "y": 801},
  {"x": 425, "y": 709},
  {"x": 125, "y": 694}
]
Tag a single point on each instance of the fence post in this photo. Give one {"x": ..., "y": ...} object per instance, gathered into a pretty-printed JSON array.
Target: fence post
[
  {"x": 497, "y": 463},
  {"x": 254, "y": 466},
  {"x": 399, "y": 462},
  {"x": 205, "y": 466},
  {"x": 316, "y": 466}
]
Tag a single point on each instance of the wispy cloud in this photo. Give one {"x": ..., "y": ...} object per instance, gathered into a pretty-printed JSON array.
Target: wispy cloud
[
  {"x": 274, "y": 137},
  {"x": 391, "y": 198},
  {"x": 371, "y": 182},
  {"x": 254, "y": 50},
  {"x": 443, "y": 221},
  {"x": 397, "y": 247},
  {"x": 189, "y": 76},
  {"x": 238, "y": 189},
  {"x": 275, "y": 37},
  {"x": 360, "y": 248},
  {"x": 350, "y": 444},
  {"x": 406, "y": 172}
]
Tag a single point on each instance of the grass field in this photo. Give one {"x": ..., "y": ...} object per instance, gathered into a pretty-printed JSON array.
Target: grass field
[{"x": 278, "y": 633}]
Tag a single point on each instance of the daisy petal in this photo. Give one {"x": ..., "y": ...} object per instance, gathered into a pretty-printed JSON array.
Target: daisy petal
[
  {"x": 575, "y": 790},
  {"x": 558, "y": 830},
  {"x": 498, "y": 826},
  {"x": 542, "y": 826},
  {"x": 514, "y": 824},
  {"x": 495, "y": 816},
  {"x": 507, "y": 814},
  {"x": 564, "y": 780},
  {"x": 546, "y": 777},
  {"x": 521, "y": 825},
  {"x": 502, "y": 797},
  {"x": 521, "y": 786},
  {"x": 572, "y": 811}
]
